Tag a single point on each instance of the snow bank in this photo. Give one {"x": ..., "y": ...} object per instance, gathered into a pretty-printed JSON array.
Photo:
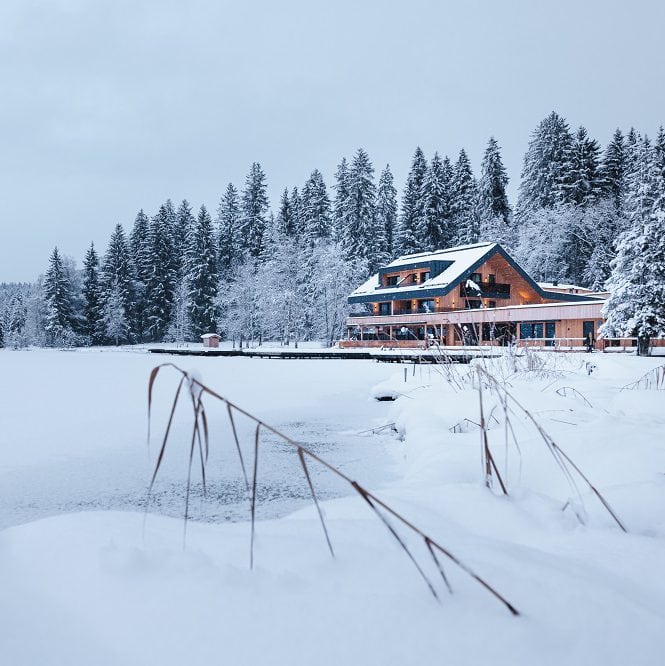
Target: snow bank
[{"x": 89, "y": 588}]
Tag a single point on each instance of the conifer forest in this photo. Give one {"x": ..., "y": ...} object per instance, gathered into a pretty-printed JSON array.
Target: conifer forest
[{"x": 585, "y": 214}]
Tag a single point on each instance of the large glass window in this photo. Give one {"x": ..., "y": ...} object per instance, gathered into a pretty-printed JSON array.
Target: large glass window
[
  {"x": 531, "y": 331},
  {"x": 385, "y": 308},
  {"x": 426, "y": 305},
  {"x": 392, "y": 280}
]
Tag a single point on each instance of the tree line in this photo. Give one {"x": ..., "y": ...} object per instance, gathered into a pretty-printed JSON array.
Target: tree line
[{"x": 250, "y": 272}]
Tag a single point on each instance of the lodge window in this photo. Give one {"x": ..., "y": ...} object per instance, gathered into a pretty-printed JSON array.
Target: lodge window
[
  {"x": 385, "y": 308},
  {"x": 535, "y": 331},
  {"x": 424, "y": 276},
  {"x": 392, "y": 280},
  {"x": 426, "y": 305},
  {"x": 476, "y": 277},
  {"x": 404, "y": 307},
  {"x": 531, "y": 331},
  {"x": 473, "y": 304},
  {"x": 491, "y": 278}
]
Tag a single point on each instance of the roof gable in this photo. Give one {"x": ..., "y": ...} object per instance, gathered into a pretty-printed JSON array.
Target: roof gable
[{"x": 458, "y": 263}]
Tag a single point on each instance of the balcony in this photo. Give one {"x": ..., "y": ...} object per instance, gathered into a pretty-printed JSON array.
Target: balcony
[{"x": 487, "y": 290}]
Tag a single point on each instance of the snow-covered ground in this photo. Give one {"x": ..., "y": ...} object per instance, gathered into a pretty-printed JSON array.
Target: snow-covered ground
[{"x": 87, "y": 587}]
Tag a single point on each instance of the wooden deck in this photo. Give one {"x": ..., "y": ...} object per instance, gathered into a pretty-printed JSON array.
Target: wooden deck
[{"x": 383, "y": 356}]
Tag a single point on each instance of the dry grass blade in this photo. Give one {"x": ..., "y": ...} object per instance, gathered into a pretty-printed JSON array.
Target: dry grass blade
[
  {"x": 189, "y": 467},
  {"x": 237, "y": 441},
  {"x": 485, "y": 445},
  {"x": 654, "y": 379},
  {"x": 564, "y": 390},
  {"x": 438, "y": 564},
  {"x": 593, "y": 489},
  {"x": 376, "y": 504},
  {"x": 253, "y": 507},
  {"x": 564, "y": 462},
  {"x": 301, "y": 455},
  {"x": 160, "y": 456},
  {"x": 365, "y": 495}
]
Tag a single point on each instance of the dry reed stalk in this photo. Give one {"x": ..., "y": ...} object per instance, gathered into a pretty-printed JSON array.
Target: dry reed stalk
[
  {"x": 564, "y": 461},
  {"x": 564, "y": 390},
  {"x": 654, "y": 379},
  {"x": 379, "y": 507}
]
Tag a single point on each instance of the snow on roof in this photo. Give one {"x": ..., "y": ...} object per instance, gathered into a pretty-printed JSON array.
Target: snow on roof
[
  {"x": 210, "y": 335},
  {"x": 451, "y": 254},
  {"x": 561, "y": 285},
  {"x": 462, "y": 258}
]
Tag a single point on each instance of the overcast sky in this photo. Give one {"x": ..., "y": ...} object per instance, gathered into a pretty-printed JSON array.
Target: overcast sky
[{"x": 107, "y": 107}]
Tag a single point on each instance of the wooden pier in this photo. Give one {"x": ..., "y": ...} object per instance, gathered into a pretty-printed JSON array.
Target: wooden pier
[{"x": 380, "y": 355}]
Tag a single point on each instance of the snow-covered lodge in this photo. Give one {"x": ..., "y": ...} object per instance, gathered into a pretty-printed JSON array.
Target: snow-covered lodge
[{"x": 468, "y": 295}]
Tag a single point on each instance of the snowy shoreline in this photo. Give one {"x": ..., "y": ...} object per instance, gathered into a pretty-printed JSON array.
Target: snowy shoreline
[{"x": 95, "y": 590}]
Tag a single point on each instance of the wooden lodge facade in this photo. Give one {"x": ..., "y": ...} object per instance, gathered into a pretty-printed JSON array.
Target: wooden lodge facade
[{"x": 469, "y": 295}]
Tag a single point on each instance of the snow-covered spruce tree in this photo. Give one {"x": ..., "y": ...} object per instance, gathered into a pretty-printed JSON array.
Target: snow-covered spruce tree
[
  {"x": 408, "y": 238},
  {"x": 254, "y": 210},
  {"x": 13, "y": 315},
  {"x": 637, "y": 282},
  {"x": 162, "y": 278},
  {"x": 118, "y": 272},
  {"x": 437, "y": 231},
  {"x": 583, "y": 179},
  {"x": 341, "y": 203},
  {"x": 285, "y": 218},
  {"x": 182, "y": 227},
  {"x": 583, "y": 189},
  {"x": 93, "y": 298},
  {"x": 59, "y": 301},
  {"x": 229, "y": 249},
  {"x": 636, "y": 306},
  {"x": 493, "y": 207},
  {"x": 140, "y": 250},
  {"x": 599, "y": 226},
  {"x": 116, "y": 322},
  {"x": 296, "y": 211},
  {"x": 613, "y": 169},
  {"x": 544, "y": 170},
  {"x": 659, "y": 160},
  {"x": 202, "y": 275},
  {"x": 641, "y": 182},
  {"x": 361, "y": 237},
  {"x": 386, "y": 209},
  {"x": 316, "y": 213},
  {"x": 464, "y": 206}
]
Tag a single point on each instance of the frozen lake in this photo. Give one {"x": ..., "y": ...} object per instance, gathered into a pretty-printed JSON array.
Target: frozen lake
[{"x": 73, "y": 433}]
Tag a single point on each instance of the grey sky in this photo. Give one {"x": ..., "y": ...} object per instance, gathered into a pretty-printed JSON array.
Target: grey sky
[{"x": 107, "y": 107}]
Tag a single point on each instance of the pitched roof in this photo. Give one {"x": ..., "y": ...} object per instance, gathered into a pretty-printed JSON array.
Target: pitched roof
[{"x": 449, "y": 268}]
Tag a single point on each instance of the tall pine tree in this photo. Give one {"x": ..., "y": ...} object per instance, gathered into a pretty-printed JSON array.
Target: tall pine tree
[
  {"x": 408, "y": 239},
  {"x": 202, "y": 275},
  {"x": 465, "y": 202},
  {"x": 59, "y": 300},
  {"x": 386, "y": 210},
  {"x": 493, "y": 207},
  {"x": 229, "y": 250},
  {"x": 93, "y": 300},
  {"x": 254, "y": 211},
  {"x": 544, "y": 171}
]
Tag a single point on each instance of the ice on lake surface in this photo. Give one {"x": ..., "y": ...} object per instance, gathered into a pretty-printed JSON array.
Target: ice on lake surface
[{"x": 87, "y": 451}]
